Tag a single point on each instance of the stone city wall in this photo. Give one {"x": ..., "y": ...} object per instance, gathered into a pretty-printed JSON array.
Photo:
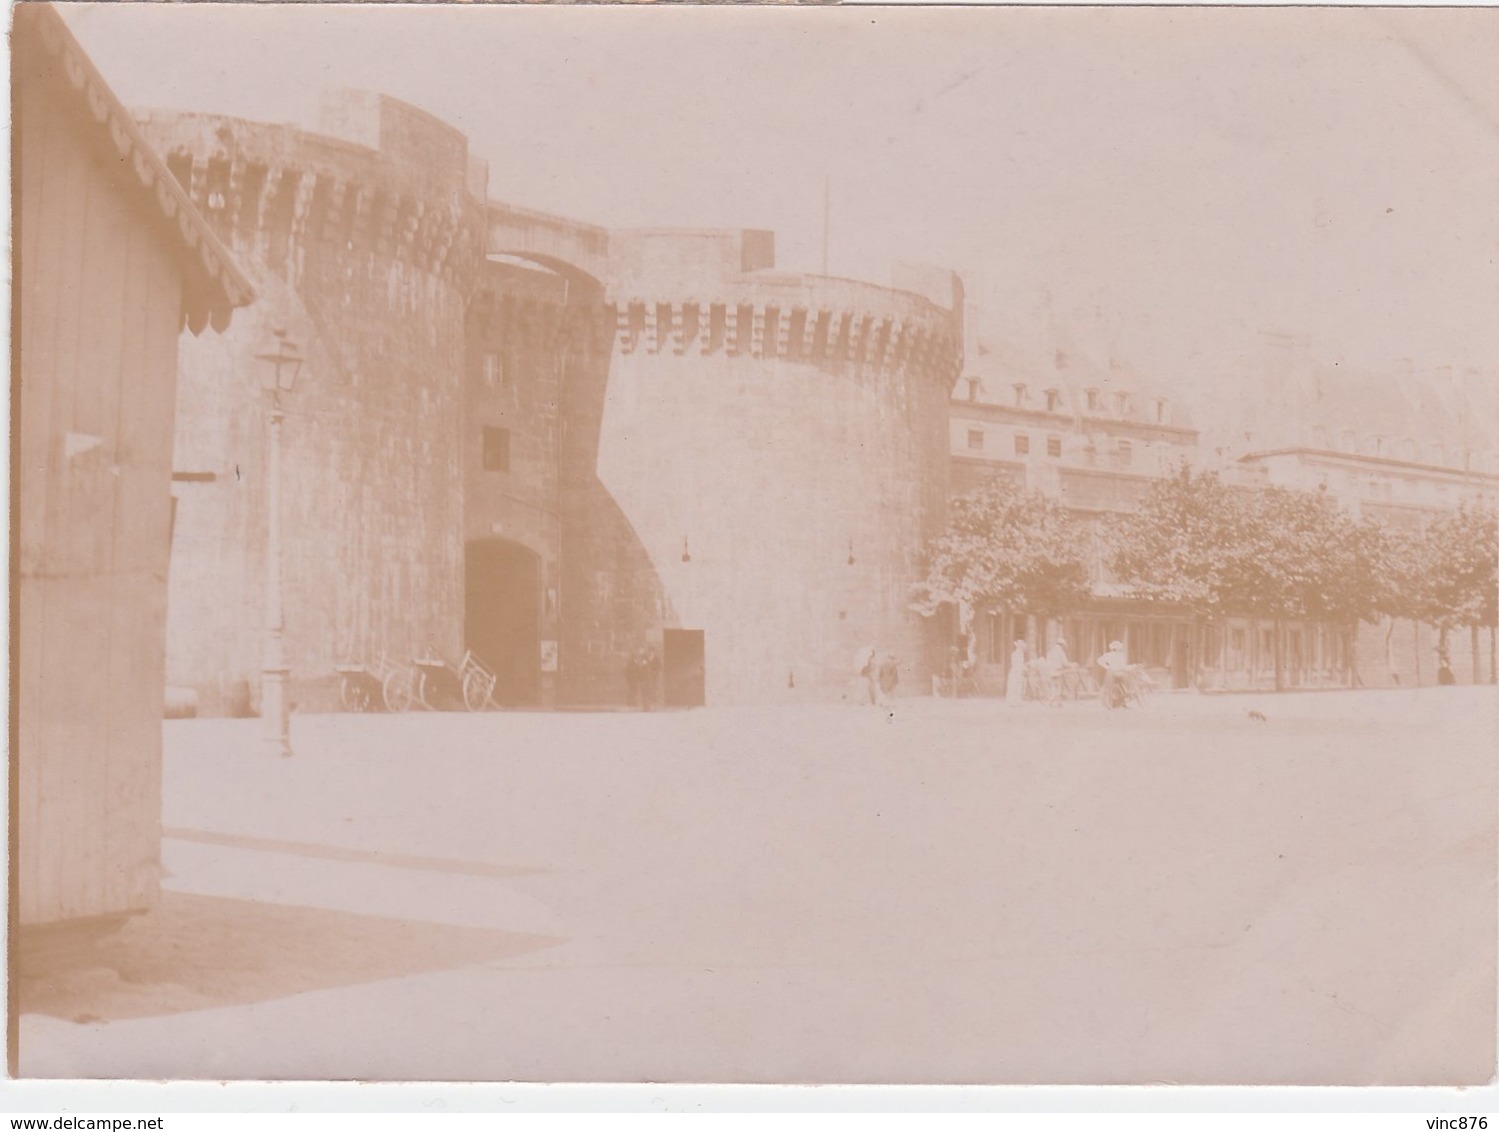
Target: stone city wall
[
  {"x": 778, "y": 446},
  {"x": 366, "y": 259}
]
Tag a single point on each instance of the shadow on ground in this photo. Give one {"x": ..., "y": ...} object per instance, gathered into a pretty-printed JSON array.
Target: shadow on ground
[{"x": 199, "y": 952}]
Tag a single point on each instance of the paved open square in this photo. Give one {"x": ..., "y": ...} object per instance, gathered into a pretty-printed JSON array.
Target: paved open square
[{"x": 951, "y": 891}]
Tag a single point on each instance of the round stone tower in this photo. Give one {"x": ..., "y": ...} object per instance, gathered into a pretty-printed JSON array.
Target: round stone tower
[
  {"x": 363, "y": 241},
  {"x": 777, "y": 446}
]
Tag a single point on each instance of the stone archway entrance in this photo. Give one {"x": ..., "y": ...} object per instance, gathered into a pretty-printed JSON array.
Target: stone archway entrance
[{"x": 502, "y": 616}]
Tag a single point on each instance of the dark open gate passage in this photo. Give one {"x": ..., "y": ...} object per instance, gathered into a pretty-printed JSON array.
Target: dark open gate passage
[
  {"x": 502, "y": 616},
  {"x": 683, "y": 666}
]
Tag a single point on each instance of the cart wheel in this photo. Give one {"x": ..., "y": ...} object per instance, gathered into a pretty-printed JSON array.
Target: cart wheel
[
  {"x": 422, "y": 687},
  {"x": 476, "y": 690},
  {"x": 396, "y": 690},
  {"x": 348, "y": 695}
]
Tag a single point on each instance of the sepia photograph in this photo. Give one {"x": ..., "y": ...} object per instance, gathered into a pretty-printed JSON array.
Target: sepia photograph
[{"x": 741, "y": 545}]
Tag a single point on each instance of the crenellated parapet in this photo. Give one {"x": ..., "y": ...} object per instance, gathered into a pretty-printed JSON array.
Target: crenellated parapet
[
  {"x": 842, "y": 340},
  {"x": 275, "y": 193},
  {"x": 717, "y": 293}
]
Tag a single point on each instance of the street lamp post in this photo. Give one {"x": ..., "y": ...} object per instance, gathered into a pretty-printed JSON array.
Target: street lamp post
[{"x": 279, "y": 376}]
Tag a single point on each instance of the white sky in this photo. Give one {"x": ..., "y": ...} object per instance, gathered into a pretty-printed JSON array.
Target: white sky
[{"x": 1176, "y": 179}]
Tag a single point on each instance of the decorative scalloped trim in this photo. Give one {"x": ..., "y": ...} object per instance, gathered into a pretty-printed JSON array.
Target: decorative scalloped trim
[{"x": 150, "y": 173}]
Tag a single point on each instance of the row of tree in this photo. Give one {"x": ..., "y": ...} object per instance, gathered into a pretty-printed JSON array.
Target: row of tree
[{"x": 1200, "y": 546}]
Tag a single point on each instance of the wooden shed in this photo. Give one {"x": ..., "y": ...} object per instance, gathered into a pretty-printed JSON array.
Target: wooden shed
[{"x": 111, "y": 262}]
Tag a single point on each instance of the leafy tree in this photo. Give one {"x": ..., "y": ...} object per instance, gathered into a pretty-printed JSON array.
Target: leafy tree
[
  {"x": 1300, "y": 556},
  {"x": 1401, "y": 579},
  {"x": 1459, "y": 583},
  {"x": 1005, "y": 546},
  {"x": 1274, "y": 553},
  {"x": 1180, "y": 545}
]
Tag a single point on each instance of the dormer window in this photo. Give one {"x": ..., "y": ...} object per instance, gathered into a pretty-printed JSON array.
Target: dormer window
[
  {"x": 1092, "y": 395},
  {"x": 1019, "y": 388},
  {"x": 973, "y": 388},
  {"x": 1053, "y": 399},
  {"x": 1121, "y": 404},
  {"x": 1161, "y": 405}
]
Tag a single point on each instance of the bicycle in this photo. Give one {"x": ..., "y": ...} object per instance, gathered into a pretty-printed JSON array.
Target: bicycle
[{"x": 1131, "y": 686}]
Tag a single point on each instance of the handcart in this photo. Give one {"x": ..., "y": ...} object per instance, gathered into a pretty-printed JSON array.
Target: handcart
[
  {"x": 370, "y": 687},
  {"x": 441, "y": 686}
]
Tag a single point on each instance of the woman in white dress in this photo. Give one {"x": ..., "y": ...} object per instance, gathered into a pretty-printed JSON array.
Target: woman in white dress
[{"x": 1015, "y": 682}]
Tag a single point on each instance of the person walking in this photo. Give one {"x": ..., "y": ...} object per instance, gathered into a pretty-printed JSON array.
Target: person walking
[
  {"x": 1114, "y": 663},
  {"x": 1057, "y": 664},
  {"x": 1015, "y": 681}
]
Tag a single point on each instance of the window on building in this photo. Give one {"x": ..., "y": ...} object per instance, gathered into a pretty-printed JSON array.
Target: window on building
[
  {"x": 975, "y": 438},
  {"x": 1126, "y": 451},
  {"x": 1092, "y": 395},
  {"x": 1019, "y": 388},
  {"x": 494, "y": 370},
  {"x": 1054, "y": 446},
  {"x": 496, "y": 449},
  {"x": 1022, "y": 444},
  {"x": 1161, "y": 404},
  {"x": 1053, "y": 400},
  {"x": 973, "y": 389}
]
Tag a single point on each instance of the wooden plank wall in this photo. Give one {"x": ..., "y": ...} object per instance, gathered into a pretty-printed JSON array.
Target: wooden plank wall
[{"x": 99, "y": 316}]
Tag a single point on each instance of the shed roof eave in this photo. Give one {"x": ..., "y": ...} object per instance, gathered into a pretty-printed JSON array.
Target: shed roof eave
[{"x": 214, "y": 285}]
